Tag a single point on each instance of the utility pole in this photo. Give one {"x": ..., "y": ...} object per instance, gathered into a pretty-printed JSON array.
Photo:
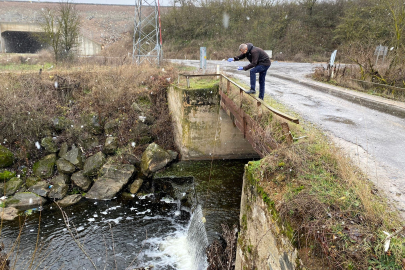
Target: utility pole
[{"x": 147, "y": 43}]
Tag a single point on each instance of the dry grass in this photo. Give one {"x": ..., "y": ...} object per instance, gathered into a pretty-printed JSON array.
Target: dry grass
[
  {"x": 336, "y": 213},
  {"x": 86, "y": 93}
]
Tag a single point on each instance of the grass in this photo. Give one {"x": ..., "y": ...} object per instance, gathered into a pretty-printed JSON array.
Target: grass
[
  {"x": 24, "y": 67},
  {"x": 320, "y": 192},
  {"x": 199, "y": 82}
]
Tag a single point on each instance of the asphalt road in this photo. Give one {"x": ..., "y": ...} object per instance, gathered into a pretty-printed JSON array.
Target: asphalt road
[{"x": 375, "y": 140}]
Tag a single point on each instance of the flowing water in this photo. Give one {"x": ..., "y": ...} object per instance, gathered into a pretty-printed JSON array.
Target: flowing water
[{"x": 126, "y": 233}]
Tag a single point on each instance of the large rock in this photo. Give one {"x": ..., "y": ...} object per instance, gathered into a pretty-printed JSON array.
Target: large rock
[
  {"x": 113, "y": 179},
  {"x": 110, "y": 146},
  {"x": 111, "y": 126},
  {"x": 81, "y": 181},
  {"x": 58, "y": 191},
  {"x": 70, "y": 200},
  {"x": 74, "y": 156},
  {"x": 31, "y": 181},
  {"x": 41, "y": 188},
  {"x": 44, "y": 168},
  {"x": 154, "y": 158},
  {"x": 173, "y": 154},
  {"x": 25, "y": 200},
  {"x": 60, "y": 179},
  {"x": 93, "y": 164},
  {"x": 49, "y": 144},
  {"x": 6, "y": 157},
  {"x": 13, "y": 185},
  {"x": 89, "y": 142},
  {"x": 65, "y": 166},
  {"x": 8, "y": 213},
  {"x": 130, "y": 159},
  {"x": 63, "y": 149},
  {"x": 135, "y": 186}
]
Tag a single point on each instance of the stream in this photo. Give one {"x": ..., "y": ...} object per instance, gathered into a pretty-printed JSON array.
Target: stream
[{"x": 131, "y": 232}]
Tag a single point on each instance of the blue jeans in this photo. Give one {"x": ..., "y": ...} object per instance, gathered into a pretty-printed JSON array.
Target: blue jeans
[{"x": 262, "y": 70}]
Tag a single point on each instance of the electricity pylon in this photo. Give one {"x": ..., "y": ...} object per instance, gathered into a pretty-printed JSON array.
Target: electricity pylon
[{"x": 147, "y": 44}]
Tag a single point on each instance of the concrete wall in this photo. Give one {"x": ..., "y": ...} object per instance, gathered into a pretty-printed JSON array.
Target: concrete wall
[
  {"x": 262, "y": 243},
  {"x": 202, "y": 129},
  {"x": 87, "y": 47}
]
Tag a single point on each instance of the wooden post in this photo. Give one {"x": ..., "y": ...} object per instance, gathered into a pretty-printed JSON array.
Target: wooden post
[
  {"x": 286, "y": 132},
  {"x": 259, "y": 108}
]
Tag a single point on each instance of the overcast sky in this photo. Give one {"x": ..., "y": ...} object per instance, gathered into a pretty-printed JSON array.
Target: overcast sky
[{"x": 105, "y": 2}]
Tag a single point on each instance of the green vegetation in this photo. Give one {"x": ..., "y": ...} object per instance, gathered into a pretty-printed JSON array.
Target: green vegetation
[
  {"x": 24, "y": 67},
  {"x": 299, "y": 30},
  {"x": 323, "y": 201}
]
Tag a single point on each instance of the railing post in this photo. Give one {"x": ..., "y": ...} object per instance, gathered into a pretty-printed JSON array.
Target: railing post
[
  {"x": 188, "y": 82},
  {"x": 259, "y": 108},
  {"x": 228, "y": 86},
  {"x": 287, "y": 133}
]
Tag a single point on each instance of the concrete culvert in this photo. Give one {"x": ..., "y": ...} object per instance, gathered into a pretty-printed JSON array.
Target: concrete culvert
[{"x": 22, "y": 42}]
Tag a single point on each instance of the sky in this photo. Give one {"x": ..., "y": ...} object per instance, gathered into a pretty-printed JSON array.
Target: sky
[{"x": 105, "y": 2}]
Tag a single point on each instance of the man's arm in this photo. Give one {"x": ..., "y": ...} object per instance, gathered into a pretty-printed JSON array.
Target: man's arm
[
  {"x": 255, "y": 61},
  {"x": 237, "y": 58}
]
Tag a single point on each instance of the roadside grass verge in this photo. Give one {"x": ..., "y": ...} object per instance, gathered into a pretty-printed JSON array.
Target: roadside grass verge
[
  {"x": 390, "y": 85},
  {"x": 339, "y": 218}
]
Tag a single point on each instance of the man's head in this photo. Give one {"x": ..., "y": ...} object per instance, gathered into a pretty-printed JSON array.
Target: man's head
[{"x": 243, "y": 48}]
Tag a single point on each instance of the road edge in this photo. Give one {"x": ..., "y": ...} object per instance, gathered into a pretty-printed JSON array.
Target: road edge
[{"x": 377, "y": 105}]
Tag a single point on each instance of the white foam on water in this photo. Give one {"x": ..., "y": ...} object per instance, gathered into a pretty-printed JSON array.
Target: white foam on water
[
  {"x": 144, "y": 212},
  {"x": 145, "y": 196},
  {"x": 175, "y": 249},
  {"x": 170, "y": 251},
  {"x": 113, "y": 208},
  {"x": 91, "y": 219},
  {"x": 116, "y": 220},
  {"x": 168, "y": 200},
  {"x": 81, "y": 228}
]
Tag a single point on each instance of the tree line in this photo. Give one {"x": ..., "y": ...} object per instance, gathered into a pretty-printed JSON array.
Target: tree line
[{"x": 302, "y": 28}]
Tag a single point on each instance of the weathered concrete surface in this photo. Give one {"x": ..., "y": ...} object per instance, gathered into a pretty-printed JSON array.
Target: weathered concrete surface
[
  {"x": 203, "y": 130},
  {"x": 262, "y": 243}
]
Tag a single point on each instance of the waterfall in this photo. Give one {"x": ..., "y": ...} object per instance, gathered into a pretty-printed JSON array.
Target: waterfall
[{"x": 197, "y": 239}]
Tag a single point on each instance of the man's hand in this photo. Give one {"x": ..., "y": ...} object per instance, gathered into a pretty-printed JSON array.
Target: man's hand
[
  {"x": 230, "y": 59},
  {"x": 240, "y": 68}
]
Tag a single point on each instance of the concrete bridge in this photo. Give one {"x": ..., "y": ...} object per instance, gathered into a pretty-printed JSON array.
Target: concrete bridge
[
  {"x": 23, "y": 38},
  {"x": 212, "y": 122}
]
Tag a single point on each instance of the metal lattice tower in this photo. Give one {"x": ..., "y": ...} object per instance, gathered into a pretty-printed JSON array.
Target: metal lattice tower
[{"x": 147, "y": 44}]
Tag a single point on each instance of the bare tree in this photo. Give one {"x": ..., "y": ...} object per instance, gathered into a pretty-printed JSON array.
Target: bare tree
[
  {"x": 62, "y": 29},
  {"x": 69, "y": 24},
  {"x": 52, "y": 33}
]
